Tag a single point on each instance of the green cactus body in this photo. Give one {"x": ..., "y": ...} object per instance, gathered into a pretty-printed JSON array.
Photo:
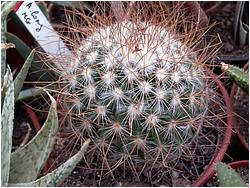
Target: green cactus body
[
  {"x": 228, "y": 177},
  {"x": 240, "y": 76},
  {"x": 136, "y": 92}
]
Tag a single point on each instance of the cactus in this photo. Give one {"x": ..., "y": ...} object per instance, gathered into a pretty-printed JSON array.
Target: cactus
[
  {"x": 240, "y": 76},
  {"x": 137, "y": 89},
  {"x": 227, "y": 176}
]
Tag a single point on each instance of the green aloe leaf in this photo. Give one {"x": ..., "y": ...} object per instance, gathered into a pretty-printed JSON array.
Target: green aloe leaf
[
  {"x": 56, "y": 177},
  {"x": 7, "y": 118},
  {"x": 228, "y": 177},
  {"x": 3, "y": 51},
  {"x": 6, "y": 8},
  {"x": 28, "y": 94},
  {"x": 27, "y": 161},
  {"x": 75, "y": 4},
  {"x": 18, "y": 82},
  {"x": 43, "y": 8},
  {"x": 21, "y": 47},
  {"x": 39, "y": 71}
]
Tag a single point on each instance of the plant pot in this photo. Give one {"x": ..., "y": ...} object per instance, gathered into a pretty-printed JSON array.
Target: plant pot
[
  {"x": 237, "y": 91},
  {"x": 212, "y": 182},
  {"x": 238, "y": 164},
  {"x": 210, "y": 170},
  {"x": 241, "y": 164}
]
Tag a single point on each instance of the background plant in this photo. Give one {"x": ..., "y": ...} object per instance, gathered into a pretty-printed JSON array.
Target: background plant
[
  {"x": 228, "y": 177},
  {"x": 23, "y": 167},
  {"x": 240, "y": 76}
]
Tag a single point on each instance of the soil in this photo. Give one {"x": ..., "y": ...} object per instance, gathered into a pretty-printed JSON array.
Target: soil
[
  {"x": 22, "y": 129},
  {"x": 223, "y": 15},
  {"x": 242, "y": 171},
  {"x": 241, "y": 109}
]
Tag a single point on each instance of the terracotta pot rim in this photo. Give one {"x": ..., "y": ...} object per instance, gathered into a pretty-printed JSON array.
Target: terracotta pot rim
[
  {"x": 233, "y": 92},
  {"x": 209, "y": 172},
  {"x": 241, "y": 163}
]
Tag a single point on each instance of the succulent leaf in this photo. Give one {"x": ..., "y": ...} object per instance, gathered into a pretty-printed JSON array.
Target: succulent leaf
[
  {"x": 30, "y": 93},
  {"x": 34, "y": 155},
  {"x": 7, "y": 118},
  {"x": 18, "y": 82},
  {"x": 74, "y": 4},
  {"x": 43, "y": 8},
  {"x": 41, "y": 72},
  {"x": 6, "y": 8},
  {"x": 56, "y": 177},
  {"x": 21, "y": 47}
]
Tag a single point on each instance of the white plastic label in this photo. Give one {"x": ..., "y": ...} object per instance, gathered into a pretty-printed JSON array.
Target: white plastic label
[{"x": 42, "y": 31}]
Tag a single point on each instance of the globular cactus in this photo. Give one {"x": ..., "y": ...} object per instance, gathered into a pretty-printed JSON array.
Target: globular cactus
[{"x": 138, "y": 89}]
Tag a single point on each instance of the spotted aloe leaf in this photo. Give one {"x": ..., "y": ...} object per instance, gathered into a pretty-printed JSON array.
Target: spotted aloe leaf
[
  {"x": 75, "y": 4},
  {"x": 57, "y": 176},
  {"x": 22, "y": 74},
  {"x": 7, "y": 118},
  {"x": 40, "y": 71},
  {"x": 6, "y": 9},
  {"x": 34, "y": 155},
  {"x": 31, "y": 93},
  {"x": 43, "y": 8}
]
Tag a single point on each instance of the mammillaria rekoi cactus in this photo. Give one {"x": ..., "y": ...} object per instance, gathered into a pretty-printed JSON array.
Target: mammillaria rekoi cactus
[{"x": 138, "y": 88}]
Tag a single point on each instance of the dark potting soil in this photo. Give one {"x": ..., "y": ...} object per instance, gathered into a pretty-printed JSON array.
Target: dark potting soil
[
  {"x": 241, "y": 110},
  {"x": 224, "y": 17},
  {"x": 22, "y": 129},
  {"x": 242, "y": 171}
]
